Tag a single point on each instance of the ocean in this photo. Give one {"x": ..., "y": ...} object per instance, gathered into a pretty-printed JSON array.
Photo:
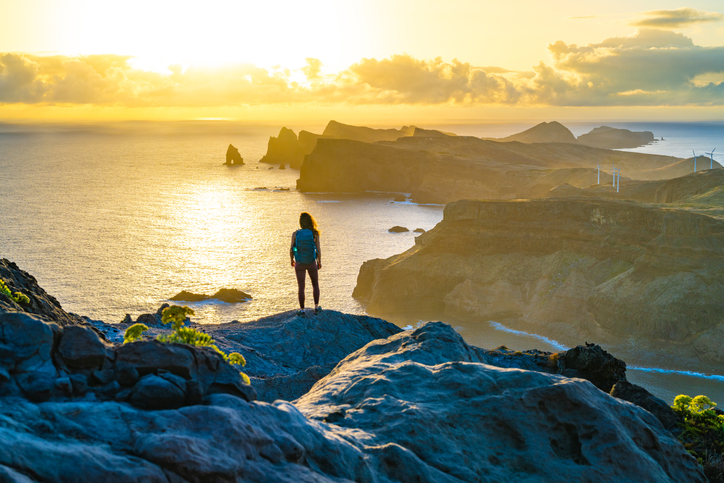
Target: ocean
[{"x": 115, "y": 219}]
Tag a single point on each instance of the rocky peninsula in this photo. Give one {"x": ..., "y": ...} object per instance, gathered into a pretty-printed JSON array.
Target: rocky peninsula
[
  {"x": 380, "y": 404},
  {"x": 440, "y": 169}
]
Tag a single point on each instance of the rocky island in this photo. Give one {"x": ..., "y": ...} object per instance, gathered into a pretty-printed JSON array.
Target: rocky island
[
  {"x": 611, "y": 138},
  {"x": 233, "y": 157},
  {"x": 381, "y": 405},
  {"x": 603, "y": 137}
]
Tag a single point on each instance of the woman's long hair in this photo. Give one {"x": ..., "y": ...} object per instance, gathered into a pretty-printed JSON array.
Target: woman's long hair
[{"x": 306, "y": 221}]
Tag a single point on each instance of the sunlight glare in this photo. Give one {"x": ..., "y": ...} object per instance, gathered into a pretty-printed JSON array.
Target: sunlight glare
[{"x": 220, "y": 32}]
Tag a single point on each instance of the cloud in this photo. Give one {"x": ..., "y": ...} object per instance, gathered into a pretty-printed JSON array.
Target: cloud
[
  {"x": 19, "y": 79},
  {"x": 680, "y": 17},
  {"x": 404, "y": 79},
  {"x": 312, "y": 69},
  {"x": 651, "y": 67}
]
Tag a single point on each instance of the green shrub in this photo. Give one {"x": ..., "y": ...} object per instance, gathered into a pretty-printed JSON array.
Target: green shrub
[
  {"x": 702, "y": 433},
  {"x": 176, "y": 316},
  {"x": 19, "y": 297},
  {"x": 134, "y": 333}
]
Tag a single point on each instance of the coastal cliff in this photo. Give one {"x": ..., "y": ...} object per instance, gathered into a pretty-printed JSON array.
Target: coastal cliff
[
  {"x": 289, "y": 149},
  {"x": 284, "y": 149},
  {"x": 567, "y": 269},
  {"x": 416, "y": 405}
]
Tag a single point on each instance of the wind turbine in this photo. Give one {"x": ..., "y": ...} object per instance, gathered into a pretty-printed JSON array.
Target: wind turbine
[
  {"x": 613, "y": 170},
  {"x": 695, "y": 159},
  {"x": 618, "y": 178},
  {"x": 711, "y": 160}
]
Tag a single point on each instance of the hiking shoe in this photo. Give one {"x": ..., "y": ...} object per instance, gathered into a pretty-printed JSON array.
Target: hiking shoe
[
  {"x": 300, "y": 313},
  {"x": 317, "y": 310}
]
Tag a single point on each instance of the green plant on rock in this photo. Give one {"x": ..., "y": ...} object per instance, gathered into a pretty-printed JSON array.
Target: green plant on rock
[
  {"x": 134, "y": 333},
  {"x": 18, "y": 297},
  {"x": 702, "y": 433},
  {"x": 176, "y": 315}
]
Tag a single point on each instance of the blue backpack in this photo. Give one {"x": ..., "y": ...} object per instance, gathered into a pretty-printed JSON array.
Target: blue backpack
[{"x": 305, "y": 251}]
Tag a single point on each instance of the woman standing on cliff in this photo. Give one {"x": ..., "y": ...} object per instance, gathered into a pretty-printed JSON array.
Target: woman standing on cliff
[{"x": 306, "y": 256}]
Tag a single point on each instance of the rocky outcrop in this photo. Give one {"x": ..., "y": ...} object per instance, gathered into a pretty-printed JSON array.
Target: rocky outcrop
[
  {"x": 232, "y": 156},
  {"x": 42, "y": 304},
  {"x": 284, "y": 149},
  {"x": 282, "y": 369},
  {"x": 419, "y": 405},
  {"x": 566, "y": 269},
  {"x": 545, "y": 132},
  {"x": 279, "y": 369},
  {"x": 398, "y": 229},
  {"x": 643, "y": 398},
  {"x": 448, "y": 168},
  {"x": 420, "y": 396},
  {"x": 612, "y": 138},
  {"x": 228, "y": 295},
  {"x": 42, "y": 361}
]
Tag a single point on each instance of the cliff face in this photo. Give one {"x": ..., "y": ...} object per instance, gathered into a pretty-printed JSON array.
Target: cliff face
[
  {"x": 289, "y": 149},
  {"x": 448, "y": 168},
  {"x": 284, "y": 149},
  {"x": 566, "y": 269},
  {"x": 612, "y": 138}
]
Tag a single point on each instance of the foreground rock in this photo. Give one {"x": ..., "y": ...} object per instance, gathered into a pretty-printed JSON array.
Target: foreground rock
[
  {"x": 420, "y": 397},
  {"x": 42, "y": 304},
  {"x": 417, "y": 406},
  {"x": 285, "y": 353},
  {"x": 566, "y": 269},
  {"x": 42, "y": 361}
]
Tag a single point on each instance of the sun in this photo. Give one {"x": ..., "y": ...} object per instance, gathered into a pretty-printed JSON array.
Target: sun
[{"x": 215, "y": 32}]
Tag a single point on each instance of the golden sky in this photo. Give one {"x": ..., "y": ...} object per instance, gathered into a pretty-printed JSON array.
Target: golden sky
[{"x": 361, "y": 60}]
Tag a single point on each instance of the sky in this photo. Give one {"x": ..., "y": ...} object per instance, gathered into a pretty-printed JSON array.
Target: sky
[{"x": 66, "y": 60}]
